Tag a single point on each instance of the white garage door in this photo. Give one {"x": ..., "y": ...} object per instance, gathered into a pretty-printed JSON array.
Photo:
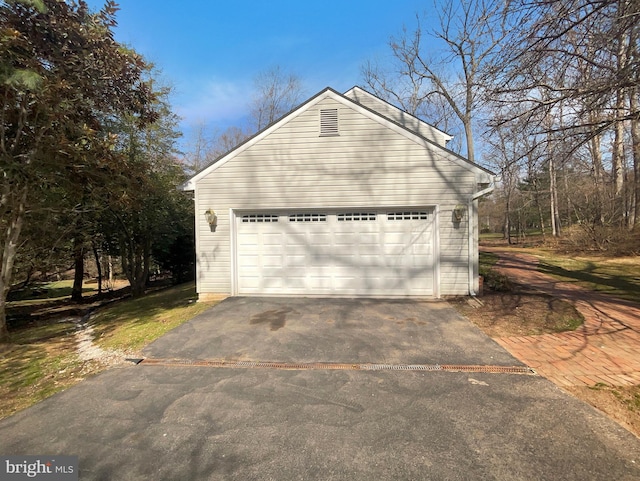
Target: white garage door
[{"x": 364, "y": 252}]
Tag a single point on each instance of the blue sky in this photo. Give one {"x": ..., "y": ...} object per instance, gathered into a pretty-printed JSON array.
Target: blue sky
[{"x": 210, "y": 51}]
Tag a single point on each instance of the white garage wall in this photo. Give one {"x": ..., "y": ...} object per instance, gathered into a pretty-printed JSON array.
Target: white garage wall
[
  {"x": 397, "y": 115},
  {"x": 367, "y": 165}
]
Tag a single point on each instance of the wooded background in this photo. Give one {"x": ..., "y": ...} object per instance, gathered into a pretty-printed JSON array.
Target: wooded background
[{"x": 543, "y": 92}]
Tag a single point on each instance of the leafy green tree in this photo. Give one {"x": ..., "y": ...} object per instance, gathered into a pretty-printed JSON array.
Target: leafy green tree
[
  {"x": 145, "y": 212},
  {"x": 61, "y": 75}
]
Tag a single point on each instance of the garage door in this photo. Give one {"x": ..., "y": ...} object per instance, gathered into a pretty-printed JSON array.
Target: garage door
[{"x": 364, "y": 252}]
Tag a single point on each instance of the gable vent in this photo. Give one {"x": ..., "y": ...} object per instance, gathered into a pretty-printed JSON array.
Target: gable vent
[{"x": 329, "y": 122}]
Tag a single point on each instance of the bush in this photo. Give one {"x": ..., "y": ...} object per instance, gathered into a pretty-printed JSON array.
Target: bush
[
  {"x": 613, "y": 240},
  {"x": 494, "y": 281}
]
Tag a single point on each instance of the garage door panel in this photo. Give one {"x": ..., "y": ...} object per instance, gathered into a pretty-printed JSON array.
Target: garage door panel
[
  {"x": 247, "y": 238},
  {"x": 249, "y": 260},
  {"x": 372, "y": 239},
  {"x": 320, "y": 239},
  {"x": 294, "y": 250},
  {"x": 422, "y": 260},
  {"x": 296, "y": 282},
  {"x": 372, "y": 259},
  {"x": 345, "y": 238},
  {"x": 295, "y": 260},
  {"x": 321, "y": 260},
  {"x": 321, "y": 283},
  {"x": 251, "y": 282},
  {"x": 273, "y": 280},
  {"x": 355, "y": 253},
  {"x": 271, "y": 261},
  {"x": 369, "y": 250},
  {"x": 295, "y": 271}
]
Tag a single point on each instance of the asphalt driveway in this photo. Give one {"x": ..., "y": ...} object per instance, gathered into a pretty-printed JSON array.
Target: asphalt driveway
[
  {"x": 331, "y": 330},
  {"x": 166, "y": 422}
]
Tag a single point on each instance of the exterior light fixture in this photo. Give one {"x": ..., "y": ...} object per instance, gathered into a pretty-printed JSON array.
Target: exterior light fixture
[
  {"x": 212, "y": 219},
  {"x": 458, "y": 212}
]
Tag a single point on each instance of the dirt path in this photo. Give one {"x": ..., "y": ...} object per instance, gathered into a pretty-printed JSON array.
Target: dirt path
[
  {"x": 604, "y": 350},
  {"x": 87, "y": 350}
]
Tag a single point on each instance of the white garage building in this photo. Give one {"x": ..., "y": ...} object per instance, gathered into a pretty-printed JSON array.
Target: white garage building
[{"x": 346, "y": 195}]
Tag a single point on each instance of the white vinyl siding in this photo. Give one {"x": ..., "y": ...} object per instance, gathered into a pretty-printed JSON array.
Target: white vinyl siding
[
  {"x": 367, "y": 166},
  {"x": 403, "y": 118}
]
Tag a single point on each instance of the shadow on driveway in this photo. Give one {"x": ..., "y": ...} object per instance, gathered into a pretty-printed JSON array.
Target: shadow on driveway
[
  {"x": 331, "y": 330},
  {"x": 199, "y": 423}
]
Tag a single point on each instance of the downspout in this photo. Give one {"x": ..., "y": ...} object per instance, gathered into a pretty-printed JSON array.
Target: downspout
[{"x": 473, "y": 248}]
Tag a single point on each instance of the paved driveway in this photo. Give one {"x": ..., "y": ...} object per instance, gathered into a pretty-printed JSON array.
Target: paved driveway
[
  {"x": 336, "y": 330},
  {"x": 166, "y": 422}
]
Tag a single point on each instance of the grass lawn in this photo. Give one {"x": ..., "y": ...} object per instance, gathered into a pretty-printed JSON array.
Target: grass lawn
[
  {"x": 43, "y": 359},
  {"x": 50, "y": 290},
  {"x": 617, "y": 276}
]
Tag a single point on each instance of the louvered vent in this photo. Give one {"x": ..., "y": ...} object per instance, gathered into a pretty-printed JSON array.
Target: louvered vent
[{"x": 329, "y": 122}]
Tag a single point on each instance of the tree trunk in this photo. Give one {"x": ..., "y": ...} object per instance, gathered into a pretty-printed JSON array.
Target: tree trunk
[
  {"x": 12, "y": 234},
  {"x": 507, "y": 214},
  {"x": 533, "y": 175},
  {"x": 507, "y": 227},
  {"x": 110, "y": 270},
  {"x": 78, "y": 277},
  {"x": 536, "y": 200},
  {"x": 598, "y": 179},
  {"x": 138, "y": 281},
  {"x": 136, "y": 260},
  {"x": 635, "y": 142},
  {"x": 96, "y": 256},
  {"x": 617, "y": 156},
  {"x": 553, "y": 191},
  {"x": 569, "y": 208},
  {"x": 617, "y": 161},
  {"x": 468, "y": 132}
]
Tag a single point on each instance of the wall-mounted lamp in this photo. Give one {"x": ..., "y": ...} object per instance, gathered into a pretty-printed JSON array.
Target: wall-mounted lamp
[
  {"x": 212, "y": 219},
  {"x": 458, "y": 212}
]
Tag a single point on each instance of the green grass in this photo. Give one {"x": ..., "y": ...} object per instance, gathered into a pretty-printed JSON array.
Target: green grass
[
  {"x": 491, "y": 235},
  {"x": 487, "y": 260},
  {"x": 38, "y": 362},
  {"x": 49, "y": 290},
  {"x": 42, "y": 359},
  {"x": 492, "y": 279},
  {"x": 618, "y": 277},
  {"x": 628, "y": 396},
  {"x": 132, "y": 324}
]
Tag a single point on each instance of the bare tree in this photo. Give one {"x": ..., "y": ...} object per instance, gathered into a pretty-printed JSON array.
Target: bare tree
[
  {"x": 469, "y": 35},
  {"x": 634, "y": 109},
  {"x": 565, "y": 36},
  {"x": 227, "y": 140},
  {"x": 571, "y": 69},
  {"x": 276, "y": 93},
  {"x": 635, "y": 141},
  {"x": 206, "y": 147},
  {"x": 197, "y": 157},
  {"x": 505, "y": 152}
]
